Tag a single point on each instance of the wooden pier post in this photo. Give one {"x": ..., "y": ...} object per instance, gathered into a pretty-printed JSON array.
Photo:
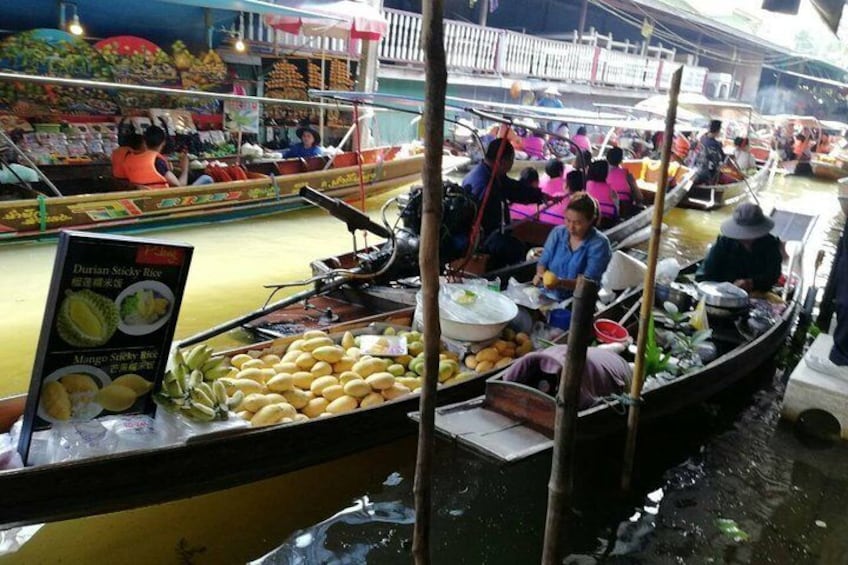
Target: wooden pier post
[
  {"x": 435, "y": 87},
  {"x": 567, "y": 399},
  {"x": 648, "y": 285}
]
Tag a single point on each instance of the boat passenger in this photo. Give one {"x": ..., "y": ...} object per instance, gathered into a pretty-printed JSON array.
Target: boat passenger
[
  {"x": 801, "y": 148},
  {"x": 597, "y": 187},
  {"x": 680, "y": 147},
  {"x": 581, "y": 140},
  {"x": 742, "y": 154},
  {"x": 553, "y": 184},
  {"x": 604, "y": 373},
  {"x": 534, "y": 146},
  {"x": 503, "y": 248},
  {"x": 309, "y": 146},
  {"x": 134, "y": 143},
  {"x": 574, "y": 182},
  {"x": 150, "y": 169},
  {"x": 623, "y": 183},
  {"x": 529, "y": 177},
  {"x": 824, "y": 144},
  {"x": 709, "y": 155},
  {"x": 745, "y": 253},
  {"x": 550, "y": 99},
  {"x": 574, "y": 249}
]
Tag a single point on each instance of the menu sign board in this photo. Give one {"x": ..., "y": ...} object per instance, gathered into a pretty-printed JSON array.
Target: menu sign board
[{"x": 108, "y": 325}]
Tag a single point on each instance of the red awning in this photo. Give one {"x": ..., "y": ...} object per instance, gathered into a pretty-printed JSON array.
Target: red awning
[{"x": 358, "y": 20}]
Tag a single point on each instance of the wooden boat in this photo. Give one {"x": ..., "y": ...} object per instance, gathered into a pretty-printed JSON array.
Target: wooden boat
[
  {"x": 37, "y": 216},
  {"x": 827, "y": 170},
  {"x": 358, "y": 298},
  {"x": 710, "y": 197},
  {"x": 512, "y": 421}
]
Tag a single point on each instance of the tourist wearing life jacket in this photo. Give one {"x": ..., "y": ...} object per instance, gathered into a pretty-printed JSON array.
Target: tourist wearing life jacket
[
  {"x": 623, "y": 183},
  {"x": 581, "y": 140},
  {"x": 151, "y": 170},
  {"x": 134, "y": 143},
  {"x": 597, "y": 187},
  {"x": 552, "y": 184}
]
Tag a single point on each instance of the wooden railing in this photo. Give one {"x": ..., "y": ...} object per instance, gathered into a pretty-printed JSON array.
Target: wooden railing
[{"x": 593, "y": 58}]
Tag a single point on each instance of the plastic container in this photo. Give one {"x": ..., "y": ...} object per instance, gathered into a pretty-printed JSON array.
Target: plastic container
[
  {"x": 560, "y": 318},
  {"x": 608, "y": 331}
]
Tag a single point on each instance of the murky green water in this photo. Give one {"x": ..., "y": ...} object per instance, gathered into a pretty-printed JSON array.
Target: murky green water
[{"x": 727, "y": 459}]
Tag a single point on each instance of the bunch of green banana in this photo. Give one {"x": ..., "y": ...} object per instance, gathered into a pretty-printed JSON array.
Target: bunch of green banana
[{"x": 191, "y": 386}]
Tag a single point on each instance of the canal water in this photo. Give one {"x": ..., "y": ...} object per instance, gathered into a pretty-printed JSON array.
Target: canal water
[{"x": 719, "y": 473}]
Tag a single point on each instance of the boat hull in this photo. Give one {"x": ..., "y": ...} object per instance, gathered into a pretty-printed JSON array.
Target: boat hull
[
  {"x": 710, "y": 197},
  {"x": 131, "y": 210},
  {"x": 827, "y": 171}
]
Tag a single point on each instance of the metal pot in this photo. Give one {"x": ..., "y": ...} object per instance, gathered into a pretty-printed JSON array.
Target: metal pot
[
  {"x": 681, "y": 295},
  {"x": 723, "y": 295}
]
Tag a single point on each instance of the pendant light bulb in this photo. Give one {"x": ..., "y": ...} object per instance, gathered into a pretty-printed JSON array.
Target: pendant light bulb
[
  {"x": 75, "y": 27},
  {"x": 240, "y": 46}
]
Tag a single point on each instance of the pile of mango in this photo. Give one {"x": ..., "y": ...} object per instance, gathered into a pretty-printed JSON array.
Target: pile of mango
[
  {"x": 501, "y": 353},
  {"x": 314, "y": 376}
]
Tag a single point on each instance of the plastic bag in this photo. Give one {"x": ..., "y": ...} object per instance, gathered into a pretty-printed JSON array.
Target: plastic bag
[
  {"x": 525, "y": 294},
  {"x": 667, "y": 271},
  {"x": 473, "y": 304},
  {"x": 699, "y": 319}
]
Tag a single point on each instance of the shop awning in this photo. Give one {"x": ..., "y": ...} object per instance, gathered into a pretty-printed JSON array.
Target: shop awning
[{"x": 344, "y": 19}]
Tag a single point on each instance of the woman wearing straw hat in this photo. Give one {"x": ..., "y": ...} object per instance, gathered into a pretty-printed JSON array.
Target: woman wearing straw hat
[
  {"x": 745, "y": 253},
  {"x": 309, "y": 146}
]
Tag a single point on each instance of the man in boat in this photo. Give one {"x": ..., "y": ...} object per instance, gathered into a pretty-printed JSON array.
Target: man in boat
[
  {"x": 709, "y": 155},
  {"x": 134, "y": 143},
  {"x": 745, "y": 253},
  {"x": 309, "y": 146},
  {"x": 503, "y": 248},
  {"x": 604, "y": 373},
  {"x": 150, "y": 169},
  {"x": 550, "y": 99}
]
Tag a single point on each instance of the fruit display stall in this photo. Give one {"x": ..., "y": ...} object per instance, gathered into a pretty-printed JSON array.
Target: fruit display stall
[{"x": 70, "y": 132}]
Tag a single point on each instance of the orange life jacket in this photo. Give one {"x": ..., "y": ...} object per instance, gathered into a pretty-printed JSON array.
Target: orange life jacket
[
  {"x": 118, "y": 156},
  {"x": 141, "y": 169}
]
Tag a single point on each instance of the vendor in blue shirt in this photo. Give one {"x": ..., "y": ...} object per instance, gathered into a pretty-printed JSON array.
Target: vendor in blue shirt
[
  {"x": 577, "y": 248},
  {"x": 309, "y": 146}
]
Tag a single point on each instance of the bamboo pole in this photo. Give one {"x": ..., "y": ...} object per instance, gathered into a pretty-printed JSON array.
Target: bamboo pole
[
  {"x": 648, "y": 286},
  {"x": 435, "y": 87},
  {"x": 560, "y": 483}
]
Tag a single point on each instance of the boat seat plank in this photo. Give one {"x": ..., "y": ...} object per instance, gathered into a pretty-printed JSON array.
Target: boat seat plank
[
  {"x": 512, "y": 443},
  {"x": 470, "y": 418}
]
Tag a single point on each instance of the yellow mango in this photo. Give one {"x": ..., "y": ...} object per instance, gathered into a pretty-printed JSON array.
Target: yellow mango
[
  {"x": 344, "y": 364},
  {"x": 329, "y": 353},
  {"x": 55, "y": 401},
  {"x": 305, "y": 361},
  {"x": 380, "y": 381},
  {"x": 268, "y": 415},
  {"x": 244, "y": 415},
  {"x": 291, "y": 356},
  {"x": 247, "y": 386},
  {"x": 333, "y": 392},
  {"x": 395, "y": 391},
  {"x": 275, "y": 398},
  {"x": 367, "y": 366},
  {"x": 347, "y": 340},
  {"x": 409, "y": 382},
  {"x": 115, "y": 398},
  {"x": 354, "y": 353},
  {"x": 286, "y": 367},
  {"x": 471, "y": 361},
  {"x": 321, "y": 368},
  {"x": 397, "y": 369},
  {"x": 316, "y": 342},
  {"x": 137, "y": 383},
  {"x": 296, "y": 398},
  {"x": 315, "y": 407},
  {"x": 253, "y": 364},
  {"x": 318, "y": 385},
  {"x": 358, "y": 388},
  {"x": 312, "y": 334},
  {"x": 404, "y": 360},
  {"x": 503, "y": 362},
  {"x": 296, "y": 345},
  {"x": 270, "y": 359},
  {"x": 524, "y": 348},
  {"x": 372, "y": 399},
  {"x": 488, "y": 354},
  {"x": 342, "y": 404},
  {"x": 240, "y": 359},
  {"x": 303, "y": 379},
  {"x": 521, "y": 337},
  {"x": 80, "y": 382},
  {"x": 484, "y": 366},
  {"x": 348, "y": 376},
  {"x": 301, "y": 418},
  {"x": 252, "y": 373},
  {"x": 254, "y": 402},
  {"x": 281, "y": 382}
]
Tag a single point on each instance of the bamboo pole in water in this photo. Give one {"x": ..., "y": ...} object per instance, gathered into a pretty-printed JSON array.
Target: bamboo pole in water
[
  {"x": 562, "y": 467},
  {"x": 648, "y": 286},
  {"x": 435, "y": 87}
]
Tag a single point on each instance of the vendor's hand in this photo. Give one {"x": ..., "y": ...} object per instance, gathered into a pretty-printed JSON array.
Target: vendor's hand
[
  {"x": 537, "y": 279},
  {"x": 183, "y": 161},
  {"x": 555, "y": 199},
  {"x": 744, "y": 284}
]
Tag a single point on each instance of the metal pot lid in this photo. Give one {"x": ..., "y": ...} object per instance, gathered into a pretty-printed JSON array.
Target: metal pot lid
[{"x": 723, "y": 294}]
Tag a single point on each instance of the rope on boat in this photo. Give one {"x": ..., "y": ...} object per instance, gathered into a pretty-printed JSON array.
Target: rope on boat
[{"x": 620, "y": 403}]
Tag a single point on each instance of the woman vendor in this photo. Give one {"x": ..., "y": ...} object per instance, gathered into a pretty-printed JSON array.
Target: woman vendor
[
  {"x": 745, "y": 253},
  {"x": 309, "y": 146},
  {"x": 577, "y": 248}
]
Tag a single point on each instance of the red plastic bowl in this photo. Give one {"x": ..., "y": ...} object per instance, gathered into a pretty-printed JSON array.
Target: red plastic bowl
[{"x": 609, "y": 331}]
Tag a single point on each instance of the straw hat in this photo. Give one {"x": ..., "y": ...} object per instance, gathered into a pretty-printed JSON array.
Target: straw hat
[
  {"x": 748, "y": 222},
  {"x": 552, "y": 91}
]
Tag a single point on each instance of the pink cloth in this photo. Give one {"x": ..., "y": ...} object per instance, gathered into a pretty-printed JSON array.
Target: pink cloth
[
  {"x": 582, "y": 142},
  {"x": 551, "y": 215},
  {"x": 600, "y": 191},
  {"x": 617, "y": 179},
  {"x": 534, "y": 147}
]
